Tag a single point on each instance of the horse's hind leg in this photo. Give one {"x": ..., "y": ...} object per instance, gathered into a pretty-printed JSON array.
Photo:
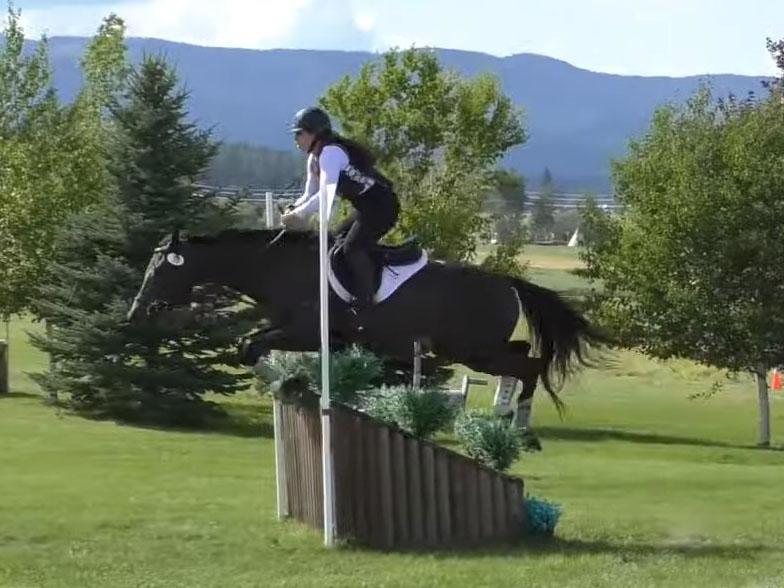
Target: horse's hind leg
[{"x": 512, "y": 361}]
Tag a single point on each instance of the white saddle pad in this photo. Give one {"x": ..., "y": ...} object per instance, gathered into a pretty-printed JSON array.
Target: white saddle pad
[{"x": 392, "y": 277}]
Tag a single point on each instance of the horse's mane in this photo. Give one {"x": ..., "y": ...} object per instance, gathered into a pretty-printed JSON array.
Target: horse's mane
[{"x": 254, "y": 236}]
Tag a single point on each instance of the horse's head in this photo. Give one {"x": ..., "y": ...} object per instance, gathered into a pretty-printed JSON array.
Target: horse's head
[{"x": 168, "y": 281}]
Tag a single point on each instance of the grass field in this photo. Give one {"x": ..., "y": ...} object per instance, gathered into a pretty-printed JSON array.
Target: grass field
[{"x": 658, "y": 489}]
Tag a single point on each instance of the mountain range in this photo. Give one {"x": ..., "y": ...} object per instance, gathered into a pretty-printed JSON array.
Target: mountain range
[{"x": 577, "y": 119}]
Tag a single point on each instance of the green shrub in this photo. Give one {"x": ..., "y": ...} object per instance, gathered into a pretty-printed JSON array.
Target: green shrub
[
  {"x": 353, "y": 370},
  {"x": 292, "y": 375},
  {"x": 488, "y": 439},
  {"x": 419, "y": 412}
]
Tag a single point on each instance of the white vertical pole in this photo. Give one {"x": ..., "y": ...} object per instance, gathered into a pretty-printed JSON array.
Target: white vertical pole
[
  {"x": 269, "y": 210},
  {"x": 277, "y": 418},
  {"x": 326, "y": 418}
]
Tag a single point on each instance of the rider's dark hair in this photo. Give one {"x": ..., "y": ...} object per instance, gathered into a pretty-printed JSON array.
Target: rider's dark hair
[{"x": 357, "y": 152}]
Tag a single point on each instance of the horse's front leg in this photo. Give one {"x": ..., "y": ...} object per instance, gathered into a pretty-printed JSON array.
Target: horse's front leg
[{"x": 291, "y": 337}]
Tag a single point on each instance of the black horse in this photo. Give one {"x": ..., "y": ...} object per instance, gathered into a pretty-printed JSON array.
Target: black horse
[{"x": 460, "y": 314}]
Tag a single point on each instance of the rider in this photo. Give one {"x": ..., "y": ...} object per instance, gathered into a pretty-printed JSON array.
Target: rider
[{"x": 345, "y": 168}]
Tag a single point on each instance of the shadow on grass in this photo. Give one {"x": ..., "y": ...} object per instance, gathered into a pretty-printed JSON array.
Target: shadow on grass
[
  {"x": 580, "y": 434},
  {"x": 245, "y": 420},
  {"x": 627, "y": 552},
  {"x": 238, "y": 419},
  {"x": 11, "y": 395}
]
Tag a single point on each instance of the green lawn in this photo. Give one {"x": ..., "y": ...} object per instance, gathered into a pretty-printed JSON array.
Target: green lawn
[{"x": 658, "y": 490}]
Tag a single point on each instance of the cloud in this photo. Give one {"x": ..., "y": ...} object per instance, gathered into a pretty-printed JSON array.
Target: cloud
[
  {"x": 332, "y": 25},
  {"x": 256, "y": 24}
]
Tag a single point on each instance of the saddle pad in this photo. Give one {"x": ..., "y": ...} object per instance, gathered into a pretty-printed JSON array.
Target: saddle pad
[{"x": 392, "y": 277}]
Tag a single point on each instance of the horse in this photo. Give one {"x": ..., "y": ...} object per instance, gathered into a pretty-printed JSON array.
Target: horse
[{"x": 458, "y": 313}]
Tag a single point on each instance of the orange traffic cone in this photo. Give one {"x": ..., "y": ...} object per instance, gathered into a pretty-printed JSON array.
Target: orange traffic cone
[{"x": 776, "y": 383}]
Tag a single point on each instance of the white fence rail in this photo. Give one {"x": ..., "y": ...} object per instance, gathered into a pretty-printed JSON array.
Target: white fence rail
[{"x": 563, "y": 200}]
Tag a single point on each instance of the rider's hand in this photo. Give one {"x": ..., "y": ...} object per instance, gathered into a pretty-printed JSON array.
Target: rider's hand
[{"x": 294, "y": 222}]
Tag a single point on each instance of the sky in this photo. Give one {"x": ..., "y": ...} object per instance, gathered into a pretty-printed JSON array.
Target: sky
[{"x": 630, "y": 37}]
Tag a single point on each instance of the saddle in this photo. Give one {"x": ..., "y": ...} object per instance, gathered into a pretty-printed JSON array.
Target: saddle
[{"x": 386, "y": 258}]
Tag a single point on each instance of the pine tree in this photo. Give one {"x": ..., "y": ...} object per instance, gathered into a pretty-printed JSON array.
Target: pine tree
[
  {"x": 543, "y": 215},
  {"x": 151, "y": 373}
]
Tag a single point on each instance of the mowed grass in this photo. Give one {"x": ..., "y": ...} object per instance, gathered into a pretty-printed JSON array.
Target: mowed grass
[{"x": 658, "y": 489}]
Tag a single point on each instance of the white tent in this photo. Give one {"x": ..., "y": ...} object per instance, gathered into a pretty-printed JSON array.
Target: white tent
[{"x": 575, "y": 240}]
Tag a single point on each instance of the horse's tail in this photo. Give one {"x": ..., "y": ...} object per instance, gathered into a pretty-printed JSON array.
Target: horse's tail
[{"x": 559, "y": 334}]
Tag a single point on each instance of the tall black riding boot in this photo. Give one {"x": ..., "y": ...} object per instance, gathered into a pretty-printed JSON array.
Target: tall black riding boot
[{"x": 362, "y": 271}]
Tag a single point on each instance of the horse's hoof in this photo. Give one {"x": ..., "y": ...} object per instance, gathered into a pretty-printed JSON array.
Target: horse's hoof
[{"x": 531, "y": 442}]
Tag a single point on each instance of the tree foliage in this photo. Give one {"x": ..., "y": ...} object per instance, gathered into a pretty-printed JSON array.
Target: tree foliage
[
  {"x": 436, "y": 135},
  {"x": 240, "y": 164},
  {"x": 52, "y": 158},
  {"x": 148, "y": 372},
  {"x": 692, "y": 266}
]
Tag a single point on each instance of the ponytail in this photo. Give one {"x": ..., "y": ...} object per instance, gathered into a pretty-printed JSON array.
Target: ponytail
[{"x": 358, "y": 153}]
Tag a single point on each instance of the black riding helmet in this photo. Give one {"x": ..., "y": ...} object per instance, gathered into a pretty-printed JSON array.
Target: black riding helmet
[{"x": 312, "y": 120}]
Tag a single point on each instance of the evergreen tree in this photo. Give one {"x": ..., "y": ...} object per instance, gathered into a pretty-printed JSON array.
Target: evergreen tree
[
  {"x": 543, "y": 213},
  {"x": 241, "y": 164},
  {"x": 543, "y": 216},
  {"x": 152, "y": 373}
]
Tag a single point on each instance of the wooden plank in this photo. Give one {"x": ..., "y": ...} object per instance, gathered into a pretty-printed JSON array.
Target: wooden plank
[
  {"x": 443, "y": 497},
  {"x": 302, "y": 469},
  {"x": 348, "y": 441},
  {"x": 316, "y": 464},
  {"x": 281, "y": 493},
  {"x": 472, "y": 502},
  {"x": 458, "y": 501},
  {"x": 499, "y": 508},
  {"x": 293, "y": 481},
  {"x": 415, "y": 511},
  {"x": 385, "y": 488},
  {"x": 342, "y": 444},
  {"x": 486, "y": 520},
  {"x": 429, "y": 494},
  {"x": 361, "y": 529},
  {"x": 311, "y": 430},
  {"x": 375, "y": 536},
  {"x": 514, "y": 502},
  {"x": 400, "y": 485},
  {"x": 521, "y": 515}
]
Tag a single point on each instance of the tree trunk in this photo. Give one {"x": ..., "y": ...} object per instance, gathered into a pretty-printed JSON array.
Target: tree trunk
[
  {"x": 52, "y": 393},
  {"x": 4, "y": 386},
  {"x": 764, "y": 407}
]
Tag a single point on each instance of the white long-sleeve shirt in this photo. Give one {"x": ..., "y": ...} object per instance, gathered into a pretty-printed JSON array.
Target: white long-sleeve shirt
[{"x": 329, "y": 164}]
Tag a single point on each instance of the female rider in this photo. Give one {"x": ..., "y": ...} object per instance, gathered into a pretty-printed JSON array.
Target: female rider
[{"x": 345, "y": 168}]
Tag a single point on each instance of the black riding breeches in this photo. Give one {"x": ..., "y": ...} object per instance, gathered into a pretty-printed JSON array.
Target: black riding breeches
[{"x": 360, "y": 232}]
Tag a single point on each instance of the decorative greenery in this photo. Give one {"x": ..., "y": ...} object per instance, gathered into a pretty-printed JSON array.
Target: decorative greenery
[
  {"x": 419, "y": 412},
  {"x": 490, "y": 440},
  {"x": 295, "y": 376},
  {"x": 542, "y": 516}
]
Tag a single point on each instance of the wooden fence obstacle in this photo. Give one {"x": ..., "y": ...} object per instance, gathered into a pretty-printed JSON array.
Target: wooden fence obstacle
[{"x": 393, "y": 490}]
